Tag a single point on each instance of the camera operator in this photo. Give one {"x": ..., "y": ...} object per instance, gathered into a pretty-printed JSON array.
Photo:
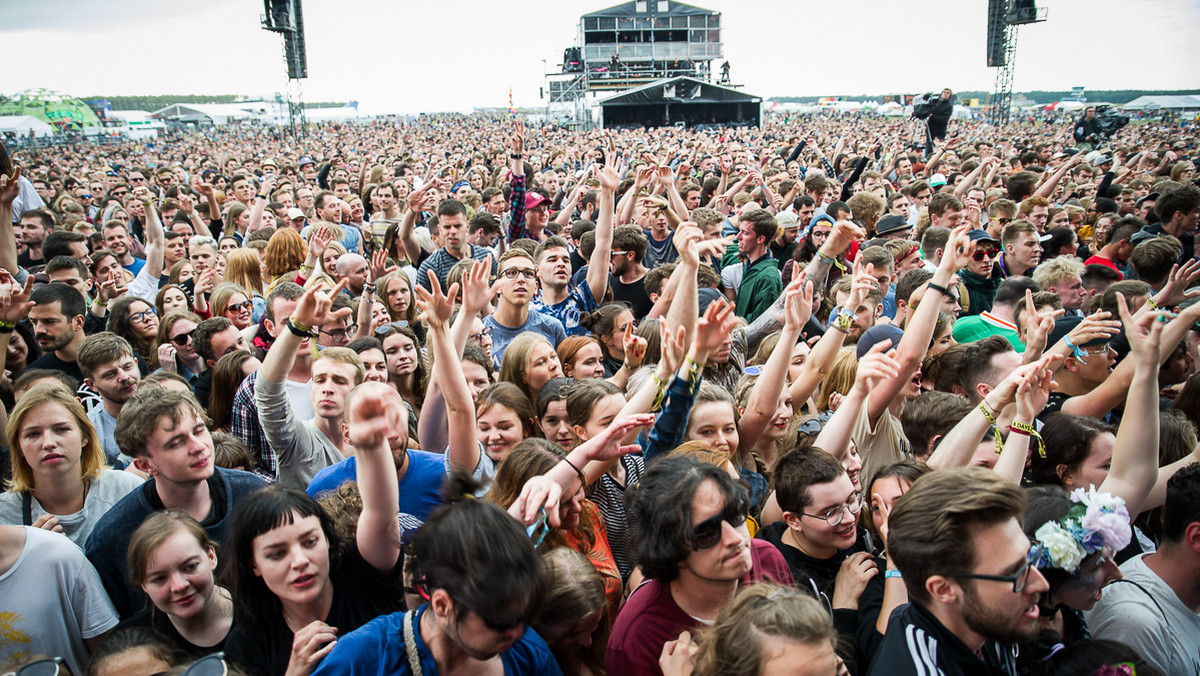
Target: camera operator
[
  {"x": 936, "y": 113},
  {"x": 1087, "y": 129}
]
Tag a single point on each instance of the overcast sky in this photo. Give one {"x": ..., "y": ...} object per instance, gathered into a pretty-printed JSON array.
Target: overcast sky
[{"x": 404, "y": 56}]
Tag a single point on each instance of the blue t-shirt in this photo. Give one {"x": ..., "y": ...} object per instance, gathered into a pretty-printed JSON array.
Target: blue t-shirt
[
  {"x": 420, "y": 487},
  {"x": 579, "y": 300},
  {"x": 136, "y": 266},
  {"x": 540, "y": 323},
  {"x": 377, "y": 648}
]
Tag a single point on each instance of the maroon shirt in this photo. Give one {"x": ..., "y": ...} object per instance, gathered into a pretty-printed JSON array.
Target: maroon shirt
[{"x": 651, "y": 617}]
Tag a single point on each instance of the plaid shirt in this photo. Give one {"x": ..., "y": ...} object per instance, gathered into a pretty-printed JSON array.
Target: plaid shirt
[
  {"x": 516, "y": 203},
  {"x": 441, "y": 261},
  {"x": 244, "y": 425}
]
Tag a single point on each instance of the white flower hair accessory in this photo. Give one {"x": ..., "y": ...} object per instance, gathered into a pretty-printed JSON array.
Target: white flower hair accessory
[{"x": 1095, "y": 521}]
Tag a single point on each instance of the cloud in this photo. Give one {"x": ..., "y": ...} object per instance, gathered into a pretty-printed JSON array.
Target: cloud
[{"x": 95, "y": 16}]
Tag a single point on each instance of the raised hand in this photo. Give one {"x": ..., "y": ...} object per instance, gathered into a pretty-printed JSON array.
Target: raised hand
[
  {"x": 436, "y": 308},
  {"x": 1144, "y": 334},
  {"x": 375, "y": 415},
  {"x": 315, "y": 306},
  {"x": 712, "y": 329},
  {"x": 379, "y": 267},
  {"x": 10, "y": 187},
  {"x": 876, "y": 366},
  {"x": 635, "y": 348},
  {"x": 476, "y": 293},
  {"x": 17, "y": 306},
  {"x": 166, "y": 357},
  {"x": 797, "y": 304},
  {"x": 310, "y": 645}
]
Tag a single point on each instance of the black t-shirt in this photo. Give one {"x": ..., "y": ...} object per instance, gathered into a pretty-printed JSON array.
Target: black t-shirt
[
  {"x": 360, "y": 594},
  {"x": 157, "y": 620},
  {"x": 28, "y": 262},
  {"x": 633, "y": 293},
  {"x": 50, "y": 360}
]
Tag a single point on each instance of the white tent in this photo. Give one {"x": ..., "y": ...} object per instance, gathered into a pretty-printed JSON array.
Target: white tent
[
  {"x": 1164, "y": 103},
  {"x": 24, "y": 125},
  {"x": 220, "y": 114},
  {"x": 138, "y": 124}
]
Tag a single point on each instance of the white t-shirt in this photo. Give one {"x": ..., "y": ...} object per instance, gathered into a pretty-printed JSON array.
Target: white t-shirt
[
  {"x": 66, "y": 606},
  {"x": 101, "y": 496},
  {"x": 1166, "y": 634}
]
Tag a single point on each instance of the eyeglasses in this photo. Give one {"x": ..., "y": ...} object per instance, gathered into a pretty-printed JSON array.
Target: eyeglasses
[
  {"x": 984, "y": 255},
  {"x": 1018, "y": 579},
  {"x": 340, "y": 334},
  {"x": 708, "y": 532},
  {"x": 139, "y": 317},
  {"x": 136, "y": 179},
  {"x": 85, "y": 196},
  {"x": 513, "y": 273},
  {"x": 183, "y": 338},
  {"x": 485, "y": 333},
  {"x": 120, "y": 193},
  {"x": 212, "y": 665},
  {"x": 43, "y": 667},
  {"x": 238, "y": 307},
  {"x": 834, "y": 515}
]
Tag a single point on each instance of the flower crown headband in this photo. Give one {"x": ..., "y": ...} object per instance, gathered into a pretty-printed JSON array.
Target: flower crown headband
[{"x": 1096, "y": 520}]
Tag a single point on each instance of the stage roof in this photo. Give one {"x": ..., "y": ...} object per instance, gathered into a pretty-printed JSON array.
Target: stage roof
[
  {"x": 679, "y": 89},
  {"x": 630, "y": 9}
]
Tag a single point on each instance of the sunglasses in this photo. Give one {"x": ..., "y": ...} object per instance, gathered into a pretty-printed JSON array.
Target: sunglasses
[
  {"x": 213, "y": 665},
  {"x": 238, "y": 307},
  {"x": 120, "y": 193},
  {"x": 43, "y": 667},
  {"x": 1004, "y": 221},
  {"x": 708, "y": 533},
  {"x": 183, "y": 338},
  {"x": 979, "y": 256}
]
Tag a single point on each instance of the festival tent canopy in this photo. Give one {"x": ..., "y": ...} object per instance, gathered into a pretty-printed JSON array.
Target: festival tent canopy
[
  {"x": 52, "y": 107},
  {"x": 218, "y": 114},
  {"x": 680, "y": 100},
  {"x": 1181, "y": 102},
  {"x": 24, "y": 125}
]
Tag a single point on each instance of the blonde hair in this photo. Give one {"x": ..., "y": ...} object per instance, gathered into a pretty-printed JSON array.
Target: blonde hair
[
  {"x": 840, "y": 378},
  {"x": 245, "y": 268},
  {"x": 91, "y": 455},
  {"x": 222, "y": 295}
]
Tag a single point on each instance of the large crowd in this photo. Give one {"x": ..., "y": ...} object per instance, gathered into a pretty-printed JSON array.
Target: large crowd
[{"x": 460, "y": 395}]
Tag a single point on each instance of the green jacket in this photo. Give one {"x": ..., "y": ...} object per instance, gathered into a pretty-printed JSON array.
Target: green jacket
[
  {"x": 980, "y": 290},
  {"x": 761, "y": 286}
]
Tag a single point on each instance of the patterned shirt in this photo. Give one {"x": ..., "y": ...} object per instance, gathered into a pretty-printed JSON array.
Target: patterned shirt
[
  {"x": 578, "y": 301},
  {"x": 442, "y": 260}
]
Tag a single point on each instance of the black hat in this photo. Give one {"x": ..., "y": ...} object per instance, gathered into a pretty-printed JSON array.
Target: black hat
[
  {"x": 891, "y": 223},
  {"x": 1066, "y": 324}
]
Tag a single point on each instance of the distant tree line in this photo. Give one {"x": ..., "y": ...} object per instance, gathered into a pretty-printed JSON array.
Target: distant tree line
[
  {"x": 152, "y": 103},
  {"x": 1042, "y": 97}
]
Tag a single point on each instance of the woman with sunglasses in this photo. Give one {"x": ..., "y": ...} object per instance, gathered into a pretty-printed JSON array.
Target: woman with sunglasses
[
  {"x": 136, "y": 320},
  {"x": 176, "y": 352},
  {"x": 232, "y": 302},
  {"x": 173, "y": 559},
  {"x": 298, "y": 590}
]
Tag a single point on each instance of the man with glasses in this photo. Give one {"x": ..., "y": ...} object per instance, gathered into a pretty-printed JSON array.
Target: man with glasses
[
  {"x": 818, "y": 536},
  {"x": 691, "y": 541},
  {"x": 999, "y": 214},
  {"x": 971, "y": 575},
  {"x": 514, "y": 313}
]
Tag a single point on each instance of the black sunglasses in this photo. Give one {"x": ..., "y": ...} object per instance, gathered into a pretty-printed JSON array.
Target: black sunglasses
[
  {"x": 183, "y": 338},
  {"x": 707, "y": 533},
  {"x": 44, "y": 667}
]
